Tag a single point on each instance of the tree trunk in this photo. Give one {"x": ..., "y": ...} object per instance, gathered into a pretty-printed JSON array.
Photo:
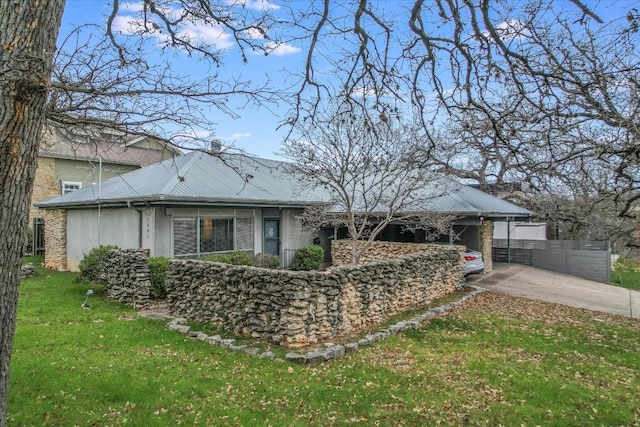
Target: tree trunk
[{"x": 28, "y": 32}]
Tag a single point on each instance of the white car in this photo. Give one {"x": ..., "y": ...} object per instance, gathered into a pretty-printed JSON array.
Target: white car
[{"x": 473, "y": 262}]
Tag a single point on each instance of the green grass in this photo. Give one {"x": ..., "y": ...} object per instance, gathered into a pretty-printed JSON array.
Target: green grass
[
  {"x": 495, "y": 361},
  {"x": 626, "y": 279},
  {"x": 626, "y": 273}
]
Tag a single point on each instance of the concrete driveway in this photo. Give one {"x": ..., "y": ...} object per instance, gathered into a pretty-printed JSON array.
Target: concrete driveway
[{"x": 533, "y": 283}]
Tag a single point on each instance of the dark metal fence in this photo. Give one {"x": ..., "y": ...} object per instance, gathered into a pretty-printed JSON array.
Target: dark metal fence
[
  {"x": 38, "y": 236},
  {"x": 587, "y": 259}
]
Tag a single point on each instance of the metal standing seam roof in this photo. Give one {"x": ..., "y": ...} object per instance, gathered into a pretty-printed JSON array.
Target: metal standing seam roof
[{"x": 199, "y": 178}]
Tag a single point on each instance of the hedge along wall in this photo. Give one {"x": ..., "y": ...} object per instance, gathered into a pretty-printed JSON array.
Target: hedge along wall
[{"x": 295, "y": 308}]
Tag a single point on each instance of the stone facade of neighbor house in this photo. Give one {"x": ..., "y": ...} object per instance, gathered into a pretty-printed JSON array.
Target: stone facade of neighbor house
[
  {"x": 296, "y": 309},
  {"x": 45, "y": 185},
  {"x": 67, "y": 163}
]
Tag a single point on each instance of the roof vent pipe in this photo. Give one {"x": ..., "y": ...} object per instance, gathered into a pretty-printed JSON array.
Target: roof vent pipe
[{"x": 216, "y": 146}]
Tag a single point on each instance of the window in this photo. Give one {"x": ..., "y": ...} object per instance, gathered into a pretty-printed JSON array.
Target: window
[
  {"x": 70, "y": 187},
  {"x": 196, "y": 236},
  {"x": 185, "y": 236},
  {"x": 216, "y": 235}
]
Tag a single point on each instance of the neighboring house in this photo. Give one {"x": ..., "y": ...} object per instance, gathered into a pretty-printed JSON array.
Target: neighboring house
[
  {"x": 516, "y": 230},
  {"x": 202, "y": 203},
  {"x": 71, "y": 160}
]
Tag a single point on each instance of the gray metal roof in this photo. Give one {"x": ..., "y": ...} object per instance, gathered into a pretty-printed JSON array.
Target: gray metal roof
[
  {"x": 197, "y": 178},
  {"x": 463, "y": 199},
  {"x": 202, "y": 179}
]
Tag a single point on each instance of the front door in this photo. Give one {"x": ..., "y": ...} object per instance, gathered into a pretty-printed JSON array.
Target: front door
[{"x": 272, "y": 236}]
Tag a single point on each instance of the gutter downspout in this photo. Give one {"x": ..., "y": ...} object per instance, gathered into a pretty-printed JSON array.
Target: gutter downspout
[{"x": 130, "y": 206}]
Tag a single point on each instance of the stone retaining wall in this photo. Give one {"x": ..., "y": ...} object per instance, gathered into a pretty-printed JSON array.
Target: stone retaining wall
[
  {"x": 127, "y": 276},
  {"x": 296, "y": 309},
  {"x": 55, "y": 239},
  {"x": 378, "y": 250}
]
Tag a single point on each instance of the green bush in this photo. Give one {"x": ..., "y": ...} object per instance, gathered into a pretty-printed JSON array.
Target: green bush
[
  {"x": 627, "y": 264},
  {"x": 236, "y": 258},
  {"x": 92, "y": 265},
  {"x": 29, "y": 242},
  {"x": 267, "y": 261},
  {"x": 308, "y": 258},
  {"x": 158, "y": 269}
]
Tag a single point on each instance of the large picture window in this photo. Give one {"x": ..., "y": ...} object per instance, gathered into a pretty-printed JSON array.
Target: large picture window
[
  {"x": 196, "y": 236},
  {"x": 216, "y": 235}
]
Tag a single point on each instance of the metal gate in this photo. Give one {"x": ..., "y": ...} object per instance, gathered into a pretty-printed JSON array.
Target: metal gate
[
  {"x": 582, "y": 258},
  {"x": 38, "y": 236}
]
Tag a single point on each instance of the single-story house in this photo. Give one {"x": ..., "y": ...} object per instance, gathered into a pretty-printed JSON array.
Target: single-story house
[{"x": 202, "y": 203}]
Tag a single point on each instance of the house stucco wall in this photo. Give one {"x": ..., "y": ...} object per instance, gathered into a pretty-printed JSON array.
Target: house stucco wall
[
  {"x": 292, "y": 234},
  {"x": 89, "y": 172},
  {"x": 87, "y": 230}
]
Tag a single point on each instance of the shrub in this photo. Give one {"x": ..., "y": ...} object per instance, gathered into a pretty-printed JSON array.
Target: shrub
[
  {"x": 29, "y": 243},
  {"x": 158, "y": 270},
  {"x": 92, "y": 265},
  {"x": 626, "y": 264},
  {"x": 236, "y": 258},
  {"x": 308, "y": 258},
  {"x": 266, "y": 261}
]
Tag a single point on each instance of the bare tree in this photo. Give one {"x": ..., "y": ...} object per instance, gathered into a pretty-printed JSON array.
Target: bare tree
[
  {"x": 534, "y": 78},
  {"x": 368, "y": 170},
  {"x": 442, "y": 56},
  {"x": 105, "y": 80}
]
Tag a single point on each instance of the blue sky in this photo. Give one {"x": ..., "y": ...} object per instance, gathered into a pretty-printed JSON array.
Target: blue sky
[{"x": 256, "y": 130}]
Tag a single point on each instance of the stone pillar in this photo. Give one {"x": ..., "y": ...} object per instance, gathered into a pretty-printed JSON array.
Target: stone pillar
[
  {"x": 486, "y": 243},
  {"x": 55, "y": 239}
]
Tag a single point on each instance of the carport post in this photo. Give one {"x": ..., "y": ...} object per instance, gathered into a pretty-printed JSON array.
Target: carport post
[{"x": 508, "y": 240}]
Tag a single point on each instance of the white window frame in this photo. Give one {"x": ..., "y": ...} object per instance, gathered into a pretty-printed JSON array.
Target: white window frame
[{"x": 64, "y": 186}]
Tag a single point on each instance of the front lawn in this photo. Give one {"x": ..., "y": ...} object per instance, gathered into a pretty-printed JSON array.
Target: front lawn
[
  {"x": 626, "y": 279},
  {"x": 494, "y": 361},
  {"x": 626, "y": 273}
]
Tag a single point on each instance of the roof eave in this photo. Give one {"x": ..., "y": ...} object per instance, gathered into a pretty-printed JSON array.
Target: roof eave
[{"x": 162, "y": 201}]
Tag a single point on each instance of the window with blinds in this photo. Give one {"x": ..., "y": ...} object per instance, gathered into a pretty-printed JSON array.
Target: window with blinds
[
  {"x": 185, "y": 236},
  {"x": 244, "y": 234},
  {"x": 195, "y": 236}
]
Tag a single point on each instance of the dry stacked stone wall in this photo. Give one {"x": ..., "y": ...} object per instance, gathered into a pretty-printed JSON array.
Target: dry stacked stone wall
[
  {"x": 378, "y": 251},
  {"x": 55, "y": 238},
  {"x": 127, "y": 276},
  {"x": 296, "y": 309}
]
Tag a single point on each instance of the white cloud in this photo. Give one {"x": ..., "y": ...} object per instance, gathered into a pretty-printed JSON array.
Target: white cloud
[
  {"x": 130, "y": 7},
  {"x": 363, "y": 91},
  {"x": 510, "y": 30},
  {"x": 236, "y": 136},
  {"x": 281, "y": 49},
  {"x": 131, "y": 22},
  {"x": 254, "y": 4},
  {"x": 213, "y": 35}
]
